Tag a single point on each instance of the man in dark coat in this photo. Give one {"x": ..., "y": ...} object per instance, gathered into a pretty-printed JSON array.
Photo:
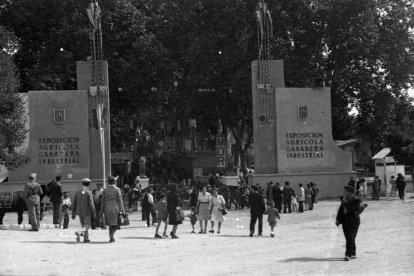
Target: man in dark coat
[
  {"x": 401, "y": 186},
  {"x": 257, "y": 209},
  {"x": 83, "y": 207},
  {"x": 348, "y": 216},
  {"x": 55, "y": 190},
  {"x": 287, "y": 197},
  {"x": 277, "y": 197}
]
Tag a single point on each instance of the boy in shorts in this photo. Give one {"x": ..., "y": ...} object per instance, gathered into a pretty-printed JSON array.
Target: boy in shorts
[{"x": 162, "y": 214}]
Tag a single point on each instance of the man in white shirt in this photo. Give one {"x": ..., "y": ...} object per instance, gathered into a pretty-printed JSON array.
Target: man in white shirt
[{"x": 301, "y": 197}]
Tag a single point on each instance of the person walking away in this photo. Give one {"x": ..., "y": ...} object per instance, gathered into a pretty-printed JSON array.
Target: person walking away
[
  {"x": 84, "y": 208},
  {"x": 55, "y": 191},
  {"x": 203, "y": 209},
  {"x": 301, "y": 197},
  {"x": 233, "y": 197},
  {"x": 162, "y": 215},
  {"x": 33, "y": 193},
  {"x": 269, "y": 191},
  {"x": 401, "y": 186},
  {"x": 375, "y": 188},
  {"x": 193, "y": 198},
  {"x": 97, "y": 200},
  {"x": 308, "y": 197},
  {"x": 65, "y": 209},
  {"x": 148, "y": 207},
  {"x": 277, "y": 197},
  {"x": 364, "y": 190},
  {"x": 257, "y": 208},
  {"x": 393, "y": 186},
  {"x": 348, "y": 216},
  {"x": 173, "y": 204},
  {"x": 287, "y": 198},
  {"x": 217, "y": 204},
  {"x": 272, "y": 215},
  {"x": 315, "y": 192},
  {"x": 111, "y": 206}
]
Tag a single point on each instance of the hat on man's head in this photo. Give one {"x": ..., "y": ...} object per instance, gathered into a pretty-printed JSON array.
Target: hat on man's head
[
  {"x": 349, "y": 189},
  {"x": 32, "y": 176},
  {"x": 111, "y": 180},
  {"x": 86, "y": 181}
]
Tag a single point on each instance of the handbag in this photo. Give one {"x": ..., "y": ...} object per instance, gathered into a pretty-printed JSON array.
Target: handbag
[
  {"x": 180, "y": 214},
  {"x": 123, "y": 219},
  {"x": 223, "y": 212}
]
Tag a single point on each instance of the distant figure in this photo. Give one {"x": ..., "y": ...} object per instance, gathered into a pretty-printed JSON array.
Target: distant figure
[
  {"x": 375, "y": 188},
  {"x": 308, "y": 197},
  {"x": 301, "y": 197},
  {"x": 287, "y": 198},
  {"x": 393, "y": 186},
  {"x": 97, "y": 200},
  {"x": 162, "y": 215},
  {"x": 257, "y": 208},
  {"x": 203, "y": 209},
  {"x": 111, "y": 206},
  {"x": 272, "y": 216},
  {"x": 173, "y": 204},
  {"x": 33, "y": 192},
  {"x": 277, "y": 197},
  {"x": 401, "y": 186},
  {"x": 315, "y": 192},
  {"x": 84, "y": 208},
  {"x": 269, "y": 191},
  {"x": 193, "y": 218},
  {"x": 65, "y": 209},
  {"x": 55, "y": 190},
  {"x": 148, "y": 207},
  {"x": 348, "y": 216},
  {"x": 217, "y": 204}
]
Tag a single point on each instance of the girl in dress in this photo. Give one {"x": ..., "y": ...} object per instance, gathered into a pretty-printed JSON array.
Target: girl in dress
[{"x": 217, "y": 204}]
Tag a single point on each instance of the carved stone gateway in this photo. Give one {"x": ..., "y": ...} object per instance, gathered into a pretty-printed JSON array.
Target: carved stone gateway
[{"x": 296, "y": 144}]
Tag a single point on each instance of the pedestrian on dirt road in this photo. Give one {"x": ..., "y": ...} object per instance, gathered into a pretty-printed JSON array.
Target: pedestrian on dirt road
[
  {"x": 173, "y": 204},
  {"x": 401, "y": 186},
  {"x": 375, "y": 188},
  {"x": 112, "y": 205},
  {"x": 287, "y": 198},
  {"x": 257, "y": 209},
  {"x": 203, "y": 209},
  {"x": 33, "y": 192},
  {"x": 217, "y": 204},
  {"x": 84, "y": 208},
  {"x": 277, "y": 197},
  {"x": 55, "y": 191},
  {"x": 348, "y": 216}
]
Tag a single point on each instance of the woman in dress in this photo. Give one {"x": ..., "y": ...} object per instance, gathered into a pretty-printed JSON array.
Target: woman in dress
[
  {"x": 173, "y": 204},
  {"x": 217, "y": 204},
  {"x": 203, "y": 208},
  {"x": 111, "y": 206}
]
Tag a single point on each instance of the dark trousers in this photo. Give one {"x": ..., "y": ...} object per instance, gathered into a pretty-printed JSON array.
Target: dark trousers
[
  {"x": 149, "y": 211},
  {"x": 253, "y": 218},
  {"x": 350, "y": 233},
  {"x": 401, "y": 193},
  {"x": 65, "y": 214},
  {"x": 301, "y": 206},
  {"x": 288, "y": 204},
  {"x": 278, "y": 205},
  {"x": 375, "y": 194},
  {"x": 57, "y": 213}
]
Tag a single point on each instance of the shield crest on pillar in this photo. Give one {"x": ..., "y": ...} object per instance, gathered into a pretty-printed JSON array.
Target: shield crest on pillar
[
  {"x": 302, "y": 112},
  {"x": 59, "y": 116}
]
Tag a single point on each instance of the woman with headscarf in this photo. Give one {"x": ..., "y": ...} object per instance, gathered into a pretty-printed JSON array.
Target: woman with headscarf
[
  {"x": 173, "y": 204},
  {"x": 217, "y": 204},
  {"x": 111, "y": 206},
  {"x": 203, "y": 208}
]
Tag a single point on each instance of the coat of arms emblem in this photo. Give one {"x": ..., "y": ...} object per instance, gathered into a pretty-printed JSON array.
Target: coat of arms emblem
[
  {"x": 59, "y": 116},
  {"x": 302, "y": 112}
]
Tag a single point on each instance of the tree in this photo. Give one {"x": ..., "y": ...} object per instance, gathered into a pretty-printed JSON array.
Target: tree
[{"x": 12, "y": 132}]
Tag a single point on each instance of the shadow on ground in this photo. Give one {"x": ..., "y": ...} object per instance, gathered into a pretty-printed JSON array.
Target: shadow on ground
[{"x": 308, "y": 259}]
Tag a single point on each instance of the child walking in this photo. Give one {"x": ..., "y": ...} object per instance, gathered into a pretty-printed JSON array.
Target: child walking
[
  {"x": 162, "y": 214},
  {"x": 193, "y": 218},
  {"x": 272, "y": 215},
  {"x": 65, "y": 209}
]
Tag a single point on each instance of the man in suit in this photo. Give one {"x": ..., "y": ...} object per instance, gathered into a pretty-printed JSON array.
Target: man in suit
[
  {"x": 83, "y": 207},
  {"x": 257, "y": 209},
  {"x": 277, "y": 197},
  {"x": 55, "y": 190},
  {"x": 287, "y": 197},
  {"x": 348, "y": 216},
  {"x": 33, "y": 192}
]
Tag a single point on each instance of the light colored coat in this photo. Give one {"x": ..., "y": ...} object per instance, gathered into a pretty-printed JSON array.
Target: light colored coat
[
  {"x": 301, "y": 194},
  {"x": 112, "y": 204}
]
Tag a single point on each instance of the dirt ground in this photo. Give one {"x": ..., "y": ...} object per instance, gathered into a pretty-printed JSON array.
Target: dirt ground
[{"x": 307, "y": 243}]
